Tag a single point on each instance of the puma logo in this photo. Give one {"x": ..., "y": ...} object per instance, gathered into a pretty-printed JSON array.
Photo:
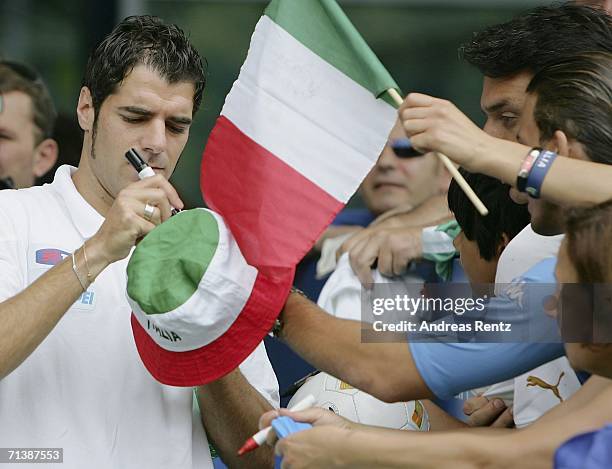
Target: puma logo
[{"x": 535, "y": 381}]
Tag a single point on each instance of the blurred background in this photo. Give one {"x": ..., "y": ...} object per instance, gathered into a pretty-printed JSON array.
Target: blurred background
[{"x": 416, "y": 40}]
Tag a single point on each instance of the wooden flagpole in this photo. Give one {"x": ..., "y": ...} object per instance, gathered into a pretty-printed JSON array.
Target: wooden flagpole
[{"x": 448, "y": 164}]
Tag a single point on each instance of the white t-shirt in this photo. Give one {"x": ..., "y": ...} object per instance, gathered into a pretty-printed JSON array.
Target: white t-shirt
[
  {"x": 532, "y": 398},
  {"x": 341, "y": 294},
  {"x": 524, "y": 251},
  {"x": 84, "y": 388}
]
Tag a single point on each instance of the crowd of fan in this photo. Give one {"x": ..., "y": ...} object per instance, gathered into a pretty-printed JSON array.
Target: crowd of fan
[{"x": 542, "y": 166}]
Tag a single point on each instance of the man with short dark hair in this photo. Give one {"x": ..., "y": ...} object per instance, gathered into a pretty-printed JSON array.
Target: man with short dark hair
[
  {"x": 27, "y": 115},
  {"x": 510, "y": 53},
  {"x": 70, "y": 375}
]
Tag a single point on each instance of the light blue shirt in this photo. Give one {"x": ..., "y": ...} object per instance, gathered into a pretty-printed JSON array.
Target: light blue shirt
[{"x": 451, "y": 368}]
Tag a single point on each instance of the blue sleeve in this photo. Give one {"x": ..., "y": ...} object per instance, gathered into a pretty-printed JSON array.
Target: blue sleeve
[{"x": 450, "y": 368}]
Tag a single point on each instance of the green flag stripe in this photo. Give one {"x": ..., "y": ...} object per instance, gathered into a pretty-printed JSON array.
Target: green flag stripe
[
  {"x": 322, "y": 27},
  {"x": 169, "y": 263}
]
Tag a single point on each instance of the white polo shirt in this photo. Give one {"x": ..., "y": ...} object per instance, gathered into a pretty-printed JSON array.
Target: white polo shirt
[{"x": 84, "y": 388}]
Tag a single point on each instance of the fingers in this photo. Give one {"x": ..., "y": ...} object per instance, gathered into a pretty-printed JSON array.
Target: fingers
[
  {"x": 505, "y": 420},
  {"x": 266, "y": 419},
  {"x": 415, "y": 113},
  {"x": 473, "y": 404},
  {"x": 487, "y": 414},
  {"x": 311, "y": 415},
  {"x": 361, "y": 258},
  {"x": 385, "y": 260},
  {"x": 271, "y": 438},
  {"x": 400, "y": 263},
  {"x": 279, "y": 449},
  {"x": 160, "y": 182},
  {"x": 414, "y": 127},
  {"x": 350, "y": 243},
  {"x": 152, "y": 196},
  {"x": 131, "y": 214},
  {"x": 418, "y": 100}
]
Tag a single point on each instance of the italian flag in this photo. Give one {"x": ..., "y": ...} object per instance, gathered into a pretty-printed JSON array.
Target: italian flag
[{"x": 301, "y": 127}]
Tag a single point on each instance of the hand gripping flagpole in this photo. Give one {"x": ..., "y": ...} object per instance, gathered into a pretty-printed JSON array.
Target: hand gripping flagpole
[{"x": 448, "y": 164}]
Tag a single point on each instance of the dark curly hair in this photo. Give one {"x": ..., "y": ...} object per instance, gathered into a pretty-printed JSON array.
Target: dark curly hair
[
  {"x": 537, "y": 38},
  {"x": 505, "y": 217},
  {"x": 575, "y": 96},
  {"x": 143, "y": 40}
]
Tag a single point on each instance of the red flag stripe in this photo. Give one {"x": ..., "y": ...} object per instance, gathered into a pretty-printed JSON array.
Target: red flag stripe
[{"x": 277, "y": 224}]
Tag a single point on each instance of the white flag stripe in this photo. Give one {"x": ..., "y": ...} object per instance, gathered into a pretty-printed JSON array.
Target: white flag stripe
[
  {"x": 307, "y": 113},
  {"x": 218, "y": 301}
]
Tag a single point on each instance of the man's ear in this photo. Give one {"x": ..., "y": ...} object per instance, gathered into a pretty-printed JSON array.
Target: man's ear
[
  {"x": 45, "y": 156},
  {"x": 559, "y": 143},
  {"x": 571, "y": 148},
  {"x": 85, "y": 110}
]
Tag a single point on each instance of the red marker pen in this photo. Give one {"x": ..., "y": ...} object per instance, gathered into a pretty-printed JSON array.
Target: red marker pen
[{"x": 260, "y": 437}]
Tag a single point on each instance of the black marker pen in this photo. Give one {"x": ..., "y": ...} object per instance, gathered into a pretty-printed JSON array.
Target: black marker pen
[{"x": 142, "y": 168}]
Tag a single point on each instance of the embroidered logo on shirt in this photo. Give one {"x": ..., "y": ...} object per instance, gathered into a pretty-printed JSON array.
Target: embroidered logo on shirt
[
  {"x": 42, "y": 258},
  {"x": 535, "y": 381},
  {"x": 50, "y": 256}
]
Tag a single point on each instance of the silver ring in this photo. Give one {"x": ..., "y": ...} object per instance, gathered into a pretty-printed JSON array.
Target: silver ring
[{"x": 149, "y": 211}]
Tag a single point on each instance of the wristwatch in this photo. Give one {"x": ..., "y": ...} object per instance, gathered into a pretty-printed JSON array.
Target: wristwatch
[{"x": 277, "y": 328}]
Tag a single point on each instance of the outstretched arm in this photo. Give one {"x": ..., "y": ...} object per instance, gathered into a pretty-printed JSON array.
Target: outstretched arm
[
  {"x": 437, "y": 125},
  {"x": 385, "y": 370}
]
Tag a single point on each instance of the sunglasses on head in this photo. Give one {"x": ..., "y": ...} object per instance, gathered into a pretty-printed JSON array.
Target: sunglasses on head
[{"x": 402, "y": 147}]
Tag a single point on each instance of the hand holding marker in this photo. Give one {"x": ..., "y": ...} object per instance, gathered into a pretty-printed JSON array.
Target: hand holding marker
[
  {"x": 142, "y": 168},
  {"x": 260, "y": 437}
]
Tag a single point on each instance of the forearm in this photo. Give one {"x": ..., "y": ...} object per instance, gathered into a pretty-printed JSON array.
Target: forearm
[
  {"x": 28, "y": 317},
  {"x": 404, "y": 449},
  {"x": 539, "y": 441},
  {"x": 569, "y": 181},
  {"x": 439, "y": 420},
  {"x": 230, "y": 409},
  {"x": 431, "y": 212},
  {"x": 385, "y": 369}
]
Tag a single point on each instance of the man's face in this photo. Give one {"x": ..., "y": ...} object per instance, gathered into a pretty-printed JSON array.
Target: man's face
[
  {"x": 145, "y": 113},
  {"x": 397, "y": 181},
  {"x": 594, "y": 358},
  {"x": 502, "y": 102},
  {"x": 546, "y": 218},
  {"x": 480, "y": 272},
  {"x": 17, "y": 139}
]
